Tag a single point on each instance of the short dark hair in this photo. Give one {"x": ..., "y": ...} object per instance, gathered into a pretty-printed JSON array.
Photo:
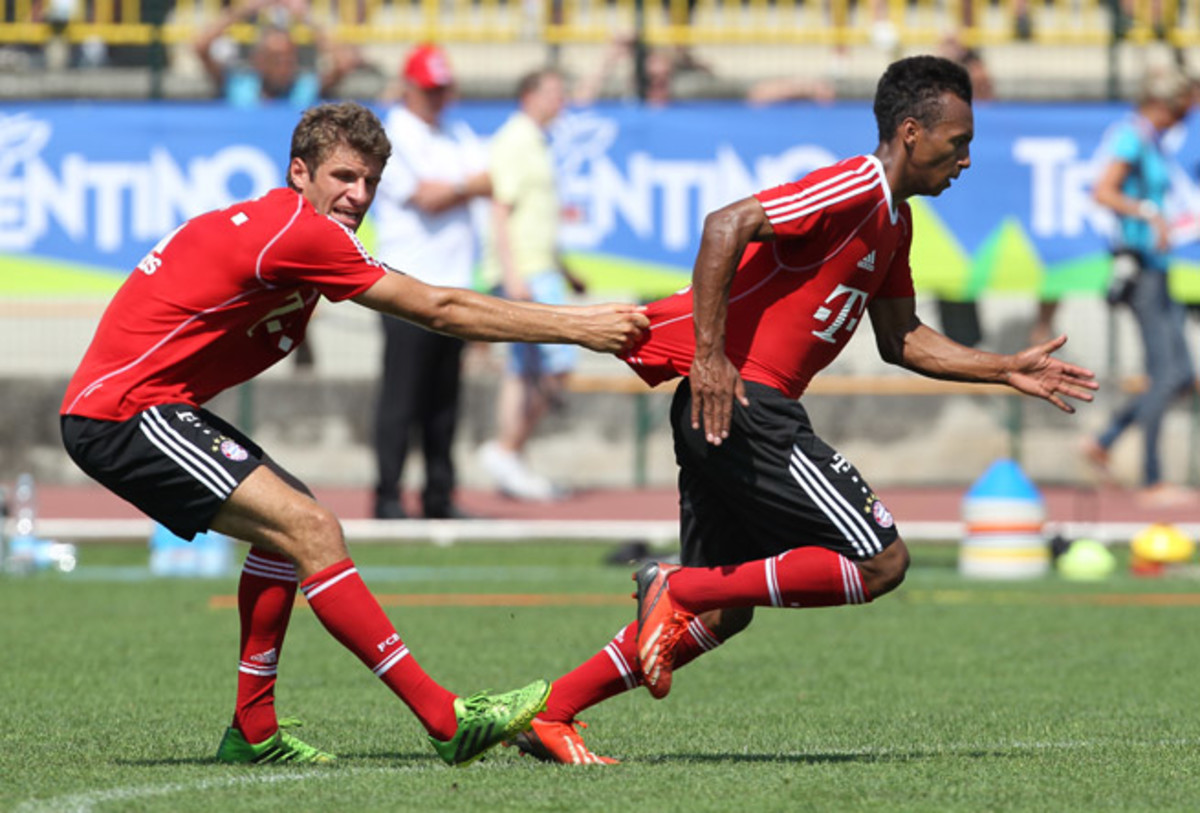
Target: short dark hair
[
  {"x": 324, "y": 127},
  {"x": 531, "y": 81},
  {"x": 913, "y": 88}
]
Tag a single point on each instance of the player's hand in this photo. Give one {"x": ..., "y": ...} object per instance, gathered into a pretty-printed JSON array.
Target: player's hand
[
  {"x": 1162, "y": 232},
  {"x": 613, "y": 327},
  {"x": 715, "y": 383},
  {"x": 1035, "y": 371}
]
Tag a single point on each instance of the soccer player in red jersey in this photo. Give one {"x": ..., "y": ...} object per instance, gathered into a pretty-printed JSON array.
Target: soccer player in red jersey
[
  {"x": 772, "y": 516},
  {"x": 218, "y": 301}
]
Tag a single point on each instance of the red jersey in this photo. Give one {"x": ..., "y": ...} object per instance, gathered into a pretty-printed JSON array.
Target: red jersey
[
  {"x": 216, "y": 302},
  {"x": 796, "y": 301}
]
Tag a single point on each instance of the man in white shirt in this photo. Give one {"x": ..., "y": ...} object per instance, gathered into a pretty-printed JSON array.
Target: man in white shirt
[{"x": 424, "y": 229}]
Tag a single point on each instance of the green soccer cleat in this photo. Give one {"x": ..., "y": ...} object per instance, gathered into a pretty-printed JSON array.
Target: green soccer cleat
[
  {"x": 279, "y": 747},
  {"x": 484, "y": 720}
]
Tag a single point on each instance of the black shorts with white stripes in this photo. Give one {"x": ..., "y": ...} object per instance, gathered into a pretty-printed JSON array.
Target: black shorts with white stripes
[
  {"x": 175, "y": 462},
  {"x": 771, "y": 486}
]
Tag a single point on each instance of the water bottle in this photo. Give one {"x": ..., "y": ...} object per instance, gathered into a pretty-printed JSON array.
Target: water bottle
[
  {"x": 25, "y": 504},
  {"x": 26, "y": 553},
  {"x": 20, "y": 554}
]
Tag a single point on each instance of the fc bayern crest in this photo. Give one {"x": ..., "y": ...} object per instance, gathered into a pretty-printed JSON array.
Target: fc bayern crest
[
  {"x": 883, "y": 517},
  {"x": 233, "y": 450}
]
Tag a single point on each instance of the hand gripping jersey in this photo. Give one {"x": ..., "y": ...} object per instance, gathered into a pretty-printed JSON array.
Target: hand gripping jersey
[
  {"x": 796, "y": 301},
  {"x": 223, "y": 297}
]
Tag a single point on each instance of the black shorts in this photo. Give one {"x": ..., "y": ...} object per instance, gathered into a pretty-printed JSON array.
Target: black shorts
[
  {"x": 175, "y": 462},
  {"x": 771, "y": 486}
]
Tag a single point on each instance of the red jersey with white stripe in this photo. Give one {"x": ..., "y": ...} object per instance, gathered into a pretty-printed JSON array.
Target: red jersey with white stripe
[
  {"x": 215, "y": 303},
  {"x": 796, "y": 301}
]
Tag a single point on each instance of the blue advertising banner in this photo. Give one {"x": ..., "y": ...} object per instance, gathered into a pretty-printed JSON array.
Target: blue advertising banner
[{"x": 87, "y": 189}]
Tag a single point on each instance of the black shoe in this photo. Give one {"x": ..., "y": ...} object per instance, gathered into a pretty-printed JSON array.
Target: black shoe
[{"x": 389, "y": 509}]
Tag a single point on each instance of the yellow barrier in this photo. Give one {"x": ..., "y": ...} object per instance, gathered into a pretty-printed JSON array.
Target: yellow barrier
[{"x": 678, "y": 22}]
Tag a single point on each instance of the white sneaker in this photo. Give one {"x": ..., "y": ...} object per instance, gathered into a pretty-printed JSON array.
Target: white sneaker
[{"x": 512, "y": 478}]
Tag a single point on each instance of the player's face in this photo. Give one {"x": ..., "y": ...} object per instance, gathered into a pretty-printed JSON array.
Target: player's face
[
  {"x": 342, "y": 186},
  {"x": 939, "y": 153}
]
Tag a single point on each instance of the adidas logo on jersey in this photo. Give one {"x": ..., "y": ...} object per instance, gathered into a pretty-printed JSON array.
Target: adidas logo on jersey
[{"x": 867, "y": 263}]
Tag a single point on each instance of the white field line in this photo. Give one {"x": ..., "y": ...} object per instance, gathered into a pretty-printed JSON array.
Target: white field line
[{"x": 88, "y": 801}]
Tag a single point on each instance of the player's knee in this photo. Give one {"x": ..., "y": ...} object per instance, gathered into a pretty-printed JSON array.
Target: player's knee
[
  {"x": 728, "y": 622},
  {"x": 316, "y": 538},
  {"x": 885, "y": 572}
]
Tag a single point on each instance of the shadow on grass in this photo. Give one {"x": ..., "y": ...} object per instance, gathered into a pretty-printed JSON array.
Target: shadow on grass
[{"x": 832, "y": 758}]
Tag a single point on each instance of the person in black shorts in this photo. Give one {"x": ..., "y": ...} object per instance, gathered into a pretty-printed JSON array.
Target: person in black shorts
[
  {"x": 219, "y": 300},
  {"x": 770, "y": 515}
]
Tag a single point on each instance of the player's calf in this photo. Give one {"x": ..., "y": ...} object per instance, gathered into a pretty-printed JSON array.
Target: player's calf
[{"x": 885, "y": 572}]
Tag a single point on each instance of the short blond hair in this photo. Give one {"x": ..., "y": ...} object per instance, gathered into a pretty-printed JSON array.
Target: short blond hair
[{"x": 1165, "y": 83}]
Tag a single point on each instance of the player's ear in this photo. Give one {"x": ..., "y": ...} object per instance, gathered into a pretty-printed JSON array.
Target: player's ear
[{"x": 298, "y": 176}]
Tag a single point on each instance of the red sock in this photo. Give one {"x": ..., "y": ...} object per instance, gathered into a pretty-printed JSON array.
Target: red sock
[
  {"x": 266, "y": 594},
  {"x": 615, "y": 669},
  {"x": 609, "y": 672},
  {"x": 803, "y": 577},
  {"x": 346, "y": 607}
]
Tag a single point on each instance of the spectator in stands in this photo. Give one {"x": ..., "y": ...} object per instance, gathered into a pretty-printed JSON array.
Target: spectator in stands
[
  {"x": 524, "y": 257},
  {"x": 424, "y": 226},
  {"x": 654, "y": 86},
  {"x": 1133, "y": 185},
  {"x": 952, "y": 47},
  {"x": 274, "y": 70},
  {"x": 790, "y": 89}
]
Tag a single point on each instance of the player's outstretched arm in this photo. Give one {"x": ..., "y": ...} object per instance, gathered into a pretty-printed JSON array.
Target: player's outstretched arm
[
  {"x": 904, "y": 340},
  {"x": 608, "y": 328}
]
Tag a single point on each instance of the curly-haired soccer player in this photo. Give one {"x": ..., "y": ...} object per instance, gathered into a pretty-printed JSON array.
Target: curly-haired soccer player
[{"x": 771, "y": 515}]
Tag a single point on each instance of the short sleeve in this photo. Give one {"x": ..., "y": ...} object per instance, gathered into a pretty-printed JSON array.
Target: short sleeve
[
  {"x": 505, "y": 164},
  {"x": 845, "y": 192},
  {"x": 898, "y": 284},
  {"x": 323, "y": 253},
  {"x": 1125, "y": 146}
]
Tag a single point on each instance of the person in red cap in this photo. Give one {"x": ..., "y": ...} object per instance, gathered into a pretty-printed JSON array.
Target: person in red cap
[{"x": 424, "y": 226}]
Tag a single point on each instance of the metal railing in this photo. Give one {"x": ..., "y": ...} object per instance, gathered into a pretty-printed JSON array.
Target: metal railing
[{"x": 666, "y": 22}]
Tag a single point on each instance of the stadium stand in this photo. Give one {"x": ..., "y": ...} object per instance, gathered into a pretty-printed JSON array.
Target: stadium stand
[{"x": 1057, "y": 49}]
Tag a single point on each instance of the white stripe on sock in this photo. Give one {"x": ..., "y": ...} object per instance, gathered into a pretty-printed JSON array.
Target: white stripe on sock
[
  {"x": 321, "y": 587},
  {"x": 390, "y": 661},
  {"x": 623, "y": 668}
]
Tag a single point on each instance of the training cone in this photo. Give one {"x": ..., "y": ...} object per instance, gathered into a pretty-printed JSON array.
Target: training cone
[
  {"x": 1158, "y": 546},
  {"x": 1086, "y": 560},
  {"x": 1003, "y": 511}
]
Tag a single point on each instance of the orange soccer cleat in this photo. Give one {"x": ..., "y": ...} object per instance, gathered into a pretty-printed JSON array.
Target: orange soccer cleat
[
  {"x": 660, "y": 623},
  {"x": 558, "y": 742}
]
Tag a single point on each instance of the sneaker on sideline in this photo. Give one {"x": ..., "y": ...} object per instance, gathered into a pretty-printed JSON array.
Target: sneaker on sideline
[{"x": 512, "y": 478}]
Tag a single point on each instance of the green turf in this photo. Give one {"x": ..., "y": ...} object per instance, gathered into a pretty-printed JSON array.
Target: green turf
[{"x": 948, "y": 695}]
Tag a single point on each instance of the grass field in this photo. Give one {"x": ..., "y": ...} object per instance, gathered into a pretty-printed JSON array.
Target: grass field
[{"x": 948, "y": 695}]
